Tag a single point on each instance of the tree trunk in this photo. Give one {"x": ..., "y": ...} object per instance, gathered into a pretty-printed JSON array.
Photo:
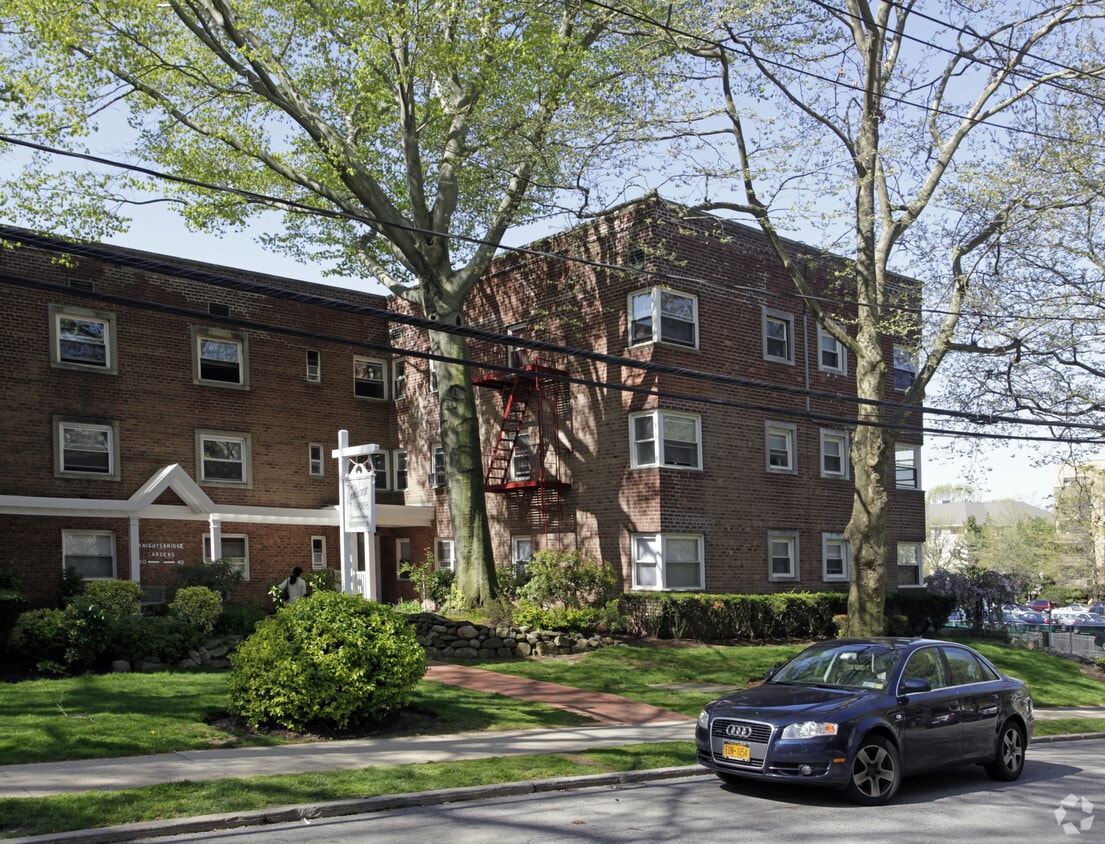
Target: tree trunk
[{"x": 460, "y": 440}]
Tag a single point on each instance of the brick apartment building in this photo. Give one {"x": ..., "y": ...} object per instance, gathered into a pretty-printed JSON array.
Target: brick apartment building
[{"x": 668, "y": 406}]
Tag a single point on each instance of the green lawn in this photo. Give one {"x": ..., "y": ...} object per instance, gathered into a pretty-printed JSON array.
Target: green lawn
[{"x": 135, "y": 714}]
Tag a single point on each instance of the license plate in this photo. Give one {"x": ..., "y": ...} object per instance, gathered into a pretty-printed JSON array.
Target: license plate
[{"x": 736, "y": 752}]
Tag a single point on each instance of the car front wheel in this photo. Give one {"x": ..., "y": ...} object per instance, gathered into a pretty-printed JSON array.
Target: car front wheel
[
  {"x": 1008, "y": 762},
  {"x": 876, "y": 772}
]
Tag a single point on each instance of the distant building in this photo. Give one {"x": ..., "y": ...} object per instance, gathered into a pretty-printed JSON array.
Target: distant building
[
  {"x": 1080, "y": 513},
  {"x": 948, "y": 522}
]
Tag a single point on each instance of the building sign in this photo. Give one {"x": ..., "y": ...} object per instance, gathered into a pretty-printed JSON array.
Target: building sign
[
  {"x": 359, "y": 515},
  {"x": 161, "y": 553}
]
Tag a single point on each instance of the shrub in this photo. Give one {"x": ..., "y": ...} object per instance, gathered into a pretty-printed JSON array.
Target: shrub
[
  {"x": 42, "y": 636},
  {"x": 220, "y": 575},
  {"x": 89, "y": 631},
  {"x": 117, "y": 598},
  {"x": 430, "y": 583},
  {"x": 198, "y": 606},
  {"x": 329, "y": 658},
  {"x": 566, "y": 619},
  {"x": 12, "y": 602},
  {"x": 239, "y": 618},
  {"x": 70, "y": 585},
  {"x": 165, "y": 638},
  {"x": 568, "y": 579}
]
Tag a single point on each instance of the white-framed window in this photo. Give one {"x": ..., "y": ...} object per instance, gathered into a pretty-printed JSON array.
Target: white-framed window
[
  {"x": 521, "y": 462},
  {"x": 82, "y": 339},
  {"x": 90, "y": 552},
  {"x": 316, "y": 463},
  {"x": 665, "y": 438},
  {"x": 400, "y": 463},
  {"x": 831, "y": 355},
  {"x": 402, "y": 558},
  {"x": 521, "y": 552},
  {"x": 778, "y": 336},
  {"x": 369, "y": 378},
  {"x": 314, "y": 366},
  {"x": 780, "y": 438},
  {"x": 380, "y": 467},
  {"x": 668, "y": 561},
  {"x": 445, "y": 553},
  {"x": 905, "y": 368},
  {"x": 782, "y": 555},
  {"x": 86, "y": 448},
  {"x": 518, "y": 356},
  {"x": 318, "y": 553},
  {"x": 220, "y": 357},
  {"x": 235, "y": 548},
  {"x": 432, "y": 375},
  {"x": 659, "y": 315},
  {"x": 436, "y": 478},
  {"x": 399, "y": 378},
  {"x": 836, "y": 558},
  {"x": 907, "y": 466},
  {"x": 834, "y": 454},
  {"x": 910, "y": 564},
  {"x": 223, "y": 457}
]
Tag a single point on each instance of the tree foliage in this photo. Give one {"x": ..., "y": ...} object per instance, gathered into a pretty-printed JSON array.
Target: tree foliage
[{"x": 398, "y": 139}]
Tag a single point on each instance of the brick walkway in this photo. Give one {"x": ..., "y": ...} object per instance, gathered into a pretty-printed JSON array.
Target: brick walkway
[{"x": 602, "y": 707}]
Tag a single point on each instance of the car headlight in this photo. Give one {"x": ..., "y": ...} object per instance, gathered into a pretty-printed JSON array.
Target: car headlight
[
  {"x": 810, "y": 729},
  {"x": 704, "y": 719}
]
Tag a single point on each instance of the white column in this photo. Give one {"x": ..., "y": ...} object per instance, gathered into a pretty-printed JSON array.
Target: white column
[
  {"x": 344, "y": 552},
  {"x": 135, "y": 554},
  {"x": 216, "y": 538}
]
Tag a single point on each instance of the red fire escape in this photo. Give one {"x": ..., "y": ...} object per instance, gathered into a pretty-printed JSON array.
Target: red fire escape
[{"x": 525, "y": 459}]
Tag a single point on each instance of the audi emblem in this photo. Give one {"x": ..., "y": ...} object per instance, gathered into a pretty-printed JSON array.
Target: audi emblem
[{"x": 738, "y": 731}]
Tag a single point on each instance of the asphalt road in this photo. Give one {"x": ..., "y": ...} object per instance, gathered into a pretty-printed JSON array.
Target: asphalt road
[{"x": 1063, "y": 784}]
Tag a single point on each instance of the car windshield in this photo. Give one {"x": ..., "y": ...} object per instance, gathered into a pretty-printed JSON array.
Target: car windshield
[{"x": 851, "y": 666}]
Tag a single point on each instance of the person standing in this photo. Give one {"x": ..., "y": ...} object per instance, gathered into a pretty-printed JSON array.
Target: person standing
[{"x": 294, "y": 586}]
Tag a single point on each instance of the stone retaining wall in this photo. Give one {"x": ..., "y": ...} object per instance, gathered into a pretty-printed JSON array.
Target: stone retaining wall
[{"x": 447, "y": 637}]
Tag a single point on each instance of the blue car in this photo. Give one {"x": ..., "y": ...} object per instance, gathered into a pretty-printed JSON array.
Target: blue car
[{"x": 861, "y": 714}]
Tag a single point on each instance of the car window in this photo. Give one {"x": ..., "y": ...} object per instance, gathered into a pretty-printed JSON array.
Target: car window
[
  {"x": 926, "y": 664},
  {"x": 965, "y": 667},
  {"x": 855, "y": 666}
]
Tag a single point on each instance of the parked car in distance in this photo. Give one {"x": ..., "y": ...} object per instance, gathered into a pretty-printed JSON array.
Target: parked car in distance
[
  {"x": 861, "y": 714},
  {"x": 1098, "y": 608},
  {"x": 1042, "y": 605}
]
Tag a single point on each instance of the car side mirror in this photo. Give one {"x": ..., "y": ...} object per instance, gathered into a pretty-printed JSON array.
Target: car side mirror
[
  {"x": 914, "y": 685},
  {"x": 771, "y": 671}
]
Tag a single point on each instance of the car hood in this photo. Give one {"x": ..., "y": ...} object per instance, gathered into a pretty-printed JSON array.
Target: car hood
[{"x": 782, "y": 702}]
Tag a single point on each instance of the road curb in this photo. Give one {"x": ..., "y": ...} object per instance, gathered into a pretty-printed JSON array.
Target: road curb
[{"x": 307, "y": 812}]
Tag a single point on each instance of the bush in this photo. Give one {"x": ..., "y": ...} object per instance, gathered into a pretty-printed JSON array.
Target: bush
[
  {"x": 566, "y": 619},
  {"x": 12, "y": 602},
  {"x": 117, "y": 598},
  {"x": 160, "y": 637},
  {"x": 329, "y": 658},
  {"x": 198, "y": 606},
  {"x": 568, "y": 579},
  {"x": 43, "y": 636},
  {"x": 714, "y": 618},
  {"x": 90, "y": 632},
  {"x": 239, "y": 618},
  {"x": 220, "y": 575},
  {"x": 70, "y": 585}
]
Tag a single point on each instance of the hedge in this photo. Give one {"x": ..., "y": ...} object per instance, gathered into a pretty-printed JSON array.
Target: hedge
[{"x": 785, "y": 615}]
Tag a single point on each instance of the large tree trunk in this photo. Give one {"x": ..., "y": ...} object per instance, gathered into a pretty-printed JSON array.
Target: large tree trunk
[
  {"x": 872, "y": 464},
  {"x": 460, "y": 439}
]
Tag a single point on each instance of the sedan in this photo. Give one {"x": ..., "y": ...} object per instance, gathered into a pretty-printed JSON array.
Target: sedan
[{"x": 860, "y": 714}]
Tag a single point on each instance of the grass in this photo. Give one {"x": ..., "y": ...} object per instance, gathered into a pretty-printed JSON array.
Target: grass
[
  {"x": 135, "y": 714},
  {"x": 63, "y": 813}
]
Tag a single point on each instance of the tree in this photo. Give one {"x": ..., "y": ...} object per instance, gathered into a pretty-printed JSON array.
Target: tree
[
  {"x": 879, "y": 121},
  {"x": 401, "y": 139}
]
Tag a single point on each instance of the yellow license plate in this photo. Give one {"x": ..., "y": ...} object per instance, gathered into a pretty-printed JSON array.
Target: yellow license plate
[{"x": 736, "y": 752}]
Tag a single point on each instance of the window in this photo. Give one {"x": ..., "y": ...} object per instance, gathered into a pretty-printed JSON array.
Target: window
[
  {"x": 436, "y": 478},
  {"x": 834, "y": 454},
  {"x": 905, "y": 369},
  {"x": 223, "y": 457},
  {"x": 831, "y": 354},
  {"x": 443, "y": 553},
  {"x": 836, "y": 557},
  {"x": 221, "y": 357},
  {"x": 907, "y": 466},
  {"x": 521, "y": 552},
  {"x": 909, "y": 564},
  {"x": 782, "y": 563},
  {"x": 780, "y": 447},
  {"x": 318, "y": 552},
  {"x": 518, "y": 356},
  {"x": 82, "y": 339},
  {"x": 314, "y": 366},
  {"x": 926, "y": 665},
  {"x": 965, "y": 668},
  {"x": 663, "y": 316},
  {"x": 433, "y": 376},
  {"x": 90, "y": 552},
  {"x": 380, "y": 467},
  {"x": 662, "y": 438},
  {"x": 315, "y": 460},
  {"x": 86, "y": 448},
  {"x": 400, "y": 460},
  {"x": 667, "y": 561},
  {"x": 521, "y": 469},
  {"x": 369, "y": 379},
  {"x": 235, "y": 549},
  {"x": 399, "y": 378},
  {"x": 402, "y": 559},
  {"x": 778, "y": 336}
]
